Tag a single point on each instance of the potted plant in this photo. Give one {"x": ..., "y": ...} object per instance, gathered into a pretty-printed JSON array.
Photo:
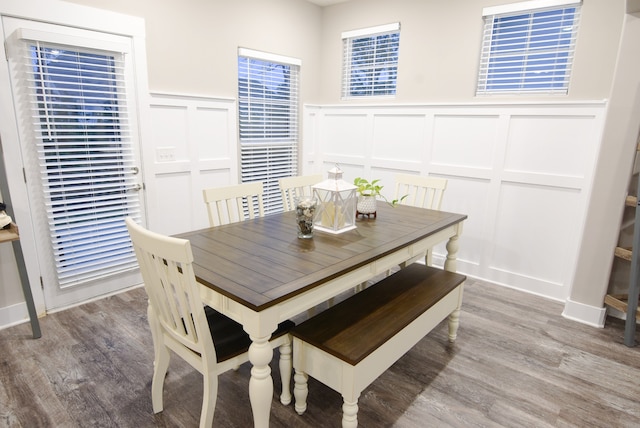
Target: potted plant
[{"x": 368, "y": 193}]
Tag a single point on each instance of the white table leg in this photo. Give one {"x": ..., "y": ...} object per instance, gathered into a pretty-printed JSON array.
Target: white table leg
[
  {"x": 261, "y": 383},
  {"x": 452, "y": 251},
  {"x": 450, "y": 264},
  {"x": 350, "y": 414}
]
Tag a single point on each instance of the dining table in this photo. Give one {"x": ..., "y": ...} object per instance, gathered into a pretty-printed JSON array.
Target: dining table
[{"x": 259, "y": 273}]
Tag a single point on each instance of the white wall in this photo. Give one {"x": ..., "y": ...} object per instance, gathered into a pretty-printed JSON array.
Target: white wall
[
  {"x": 611, "y": 178},
  {"x": 192, "y": 45},
  {"x": 440, "y": 48}
]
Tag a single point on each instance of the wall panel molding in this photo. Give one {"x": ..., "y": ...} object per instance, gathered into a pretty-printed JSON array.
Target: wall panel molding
[
  {"x": 522, "y": 172},
  {"x": 193, "y": 146}
]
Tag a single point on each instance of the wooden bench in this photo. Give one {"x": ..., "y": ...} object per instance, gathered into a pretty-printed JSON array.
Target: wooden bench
[{"x": 352, "y": 343}]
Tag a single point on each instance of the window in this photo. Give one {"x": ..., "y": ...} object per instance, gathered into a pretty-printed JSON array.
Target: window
[
  {"x": 79, "y": 125},
  {"x": 370, "y": 61},
  {"x": 528, "y": 47},
  {"x": 268, "y": 121}
]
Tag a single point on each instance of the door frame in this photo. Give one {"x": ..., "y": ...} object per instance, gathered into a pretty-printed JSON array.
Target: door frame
[{"x": 74, "y": 16}]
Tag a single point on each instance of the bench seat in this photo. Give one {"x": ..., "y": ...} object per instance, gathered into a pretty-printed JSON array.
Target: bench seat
[{"x": 352, "y": 343}]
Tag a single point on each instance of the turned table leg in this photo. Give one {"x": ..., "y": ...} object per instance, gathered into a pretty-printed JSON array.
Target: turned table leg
[
  {"x": 452, "y": 251},
  {"x": 261, "y": 383}
]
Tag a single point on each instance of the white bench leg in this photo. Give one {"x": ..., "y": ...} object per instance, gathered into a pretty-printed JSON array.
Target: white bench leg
[
  {"x": 454, "y": 322},
  {"x": 285, "y": 372},
  {"x": 454, "y": 317},
  {"x": 300, "y": 391},
  {"x": 350, "y": 414}
]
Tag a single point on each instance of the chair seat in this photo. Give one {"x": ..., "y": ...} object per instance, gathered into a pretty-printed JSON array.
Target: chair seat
[{"x": 229, "y": 338}]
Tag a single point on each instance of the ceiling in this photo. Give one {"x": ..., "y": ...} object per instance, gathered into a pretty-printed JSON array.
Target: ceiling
[{"x": 326, "y": 2}]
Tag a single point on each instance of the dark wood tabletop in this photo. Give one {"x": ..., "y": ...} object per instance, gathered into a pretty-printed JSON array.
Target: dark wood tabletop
[{"x": 262, "y": 262}]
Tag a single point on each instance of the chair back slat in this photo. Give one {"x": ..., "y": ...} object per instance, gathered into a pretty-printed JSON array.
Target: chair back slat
[
  {"x": 300, "y": 185},
  {"x": 234, "y": 203},
  {"x": 420, "y": 191}
]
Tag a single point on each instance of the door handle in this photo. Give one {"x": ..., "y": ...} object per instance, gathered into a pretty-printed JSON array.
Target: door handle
[{"x": 135, "y": 188}]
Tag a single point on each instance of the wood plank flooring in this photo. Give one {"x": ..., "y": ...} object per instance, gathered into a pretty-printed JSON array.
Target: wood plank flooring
[{"x": 516, "y": 363}]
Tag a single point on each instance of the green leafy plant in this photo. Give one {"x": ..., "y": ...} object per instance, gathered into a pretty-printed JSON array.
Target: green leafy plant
[
  {"x": 366, "y": 188},
  {"x": 396, "y": 201}
]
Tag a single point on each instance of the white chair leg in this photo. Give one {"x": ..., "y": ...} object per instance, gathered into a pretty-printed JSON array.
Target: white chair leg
[
  {"x": 160, "y": 366},
  {"x": 301, "y": 391},
  {"x": 285, "y": 372},
  {"x": 350, "y": 414},
  {"x": 161, "y": 360},
  {"x": 209, "y": 398}
]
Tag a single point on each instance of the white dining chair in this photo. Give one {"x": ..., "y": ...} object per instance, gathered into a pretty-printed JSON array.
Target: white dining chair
[
  {"x": 299, "y": 185},
  {"x": 229, "y": 204},
  {"x": 423, "y": 192},
  {"x": 208, "y": 340},
  {"x": 420, "y": 191}
]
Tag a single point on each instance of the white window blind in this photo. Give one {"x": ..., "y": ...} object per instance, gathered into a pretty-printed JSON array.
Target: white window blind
[
  {"x": 528, "y": 50},
  {"x": 76, "y": 97},
  {"x": 370, "y": 61},
  {"x": 268, "y": 121}
]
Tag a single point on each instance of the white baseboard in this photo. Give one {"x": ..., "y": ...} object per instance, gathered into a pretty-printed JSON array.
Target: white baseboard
[
  {"x": 13, "y": 315},
  {"x": 18, "y": 313},
  {"x": 585, "y": 314}
]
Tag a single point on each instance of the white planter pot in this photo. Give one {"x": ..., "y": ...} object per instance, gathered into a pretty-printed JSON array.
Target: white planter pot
[{"x": 366, "y": 204}]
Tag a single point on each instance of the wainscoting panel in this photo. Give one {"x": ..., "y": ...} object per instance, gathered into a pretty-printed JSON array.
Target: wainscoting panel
[
  {"x": 212, "y": 133},
  {"x": 346, "y": 136},
  {"x": 550, "y": 145},
  {"x": 169, "y": 133},
  {"x": 389, "y": 145},
  {"x": 194, "y": 146},
  {"x": 532, "y": 234},
  {"x": 171, "y": 208},
  {"x": 472, "y": 192},
  {"x": 521, "y": 172},
  {"x": 464, "y": 141}
]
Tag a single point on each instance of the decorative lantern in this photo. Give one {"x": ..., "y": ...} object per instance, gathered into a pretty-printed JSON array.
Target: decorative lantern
[{"x": 336, "y": 212}]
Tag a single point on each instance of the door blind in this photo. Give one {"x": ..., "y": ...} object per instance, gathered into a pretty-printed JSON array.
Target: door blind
[{"x": 82, "y": 136}]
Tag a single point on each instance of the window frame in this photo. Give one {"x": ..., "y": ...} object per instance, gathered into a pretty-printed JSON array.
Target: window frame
[
  {"x": 510, "y": 65},
  {"x": 273, "y": 155},
  {"x": 387, "y": 61}
]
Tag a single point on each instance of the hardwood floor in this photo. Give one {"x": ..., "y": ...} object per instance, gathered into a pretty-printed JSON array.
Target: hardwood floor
[{"x": 516, "y": 363}]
